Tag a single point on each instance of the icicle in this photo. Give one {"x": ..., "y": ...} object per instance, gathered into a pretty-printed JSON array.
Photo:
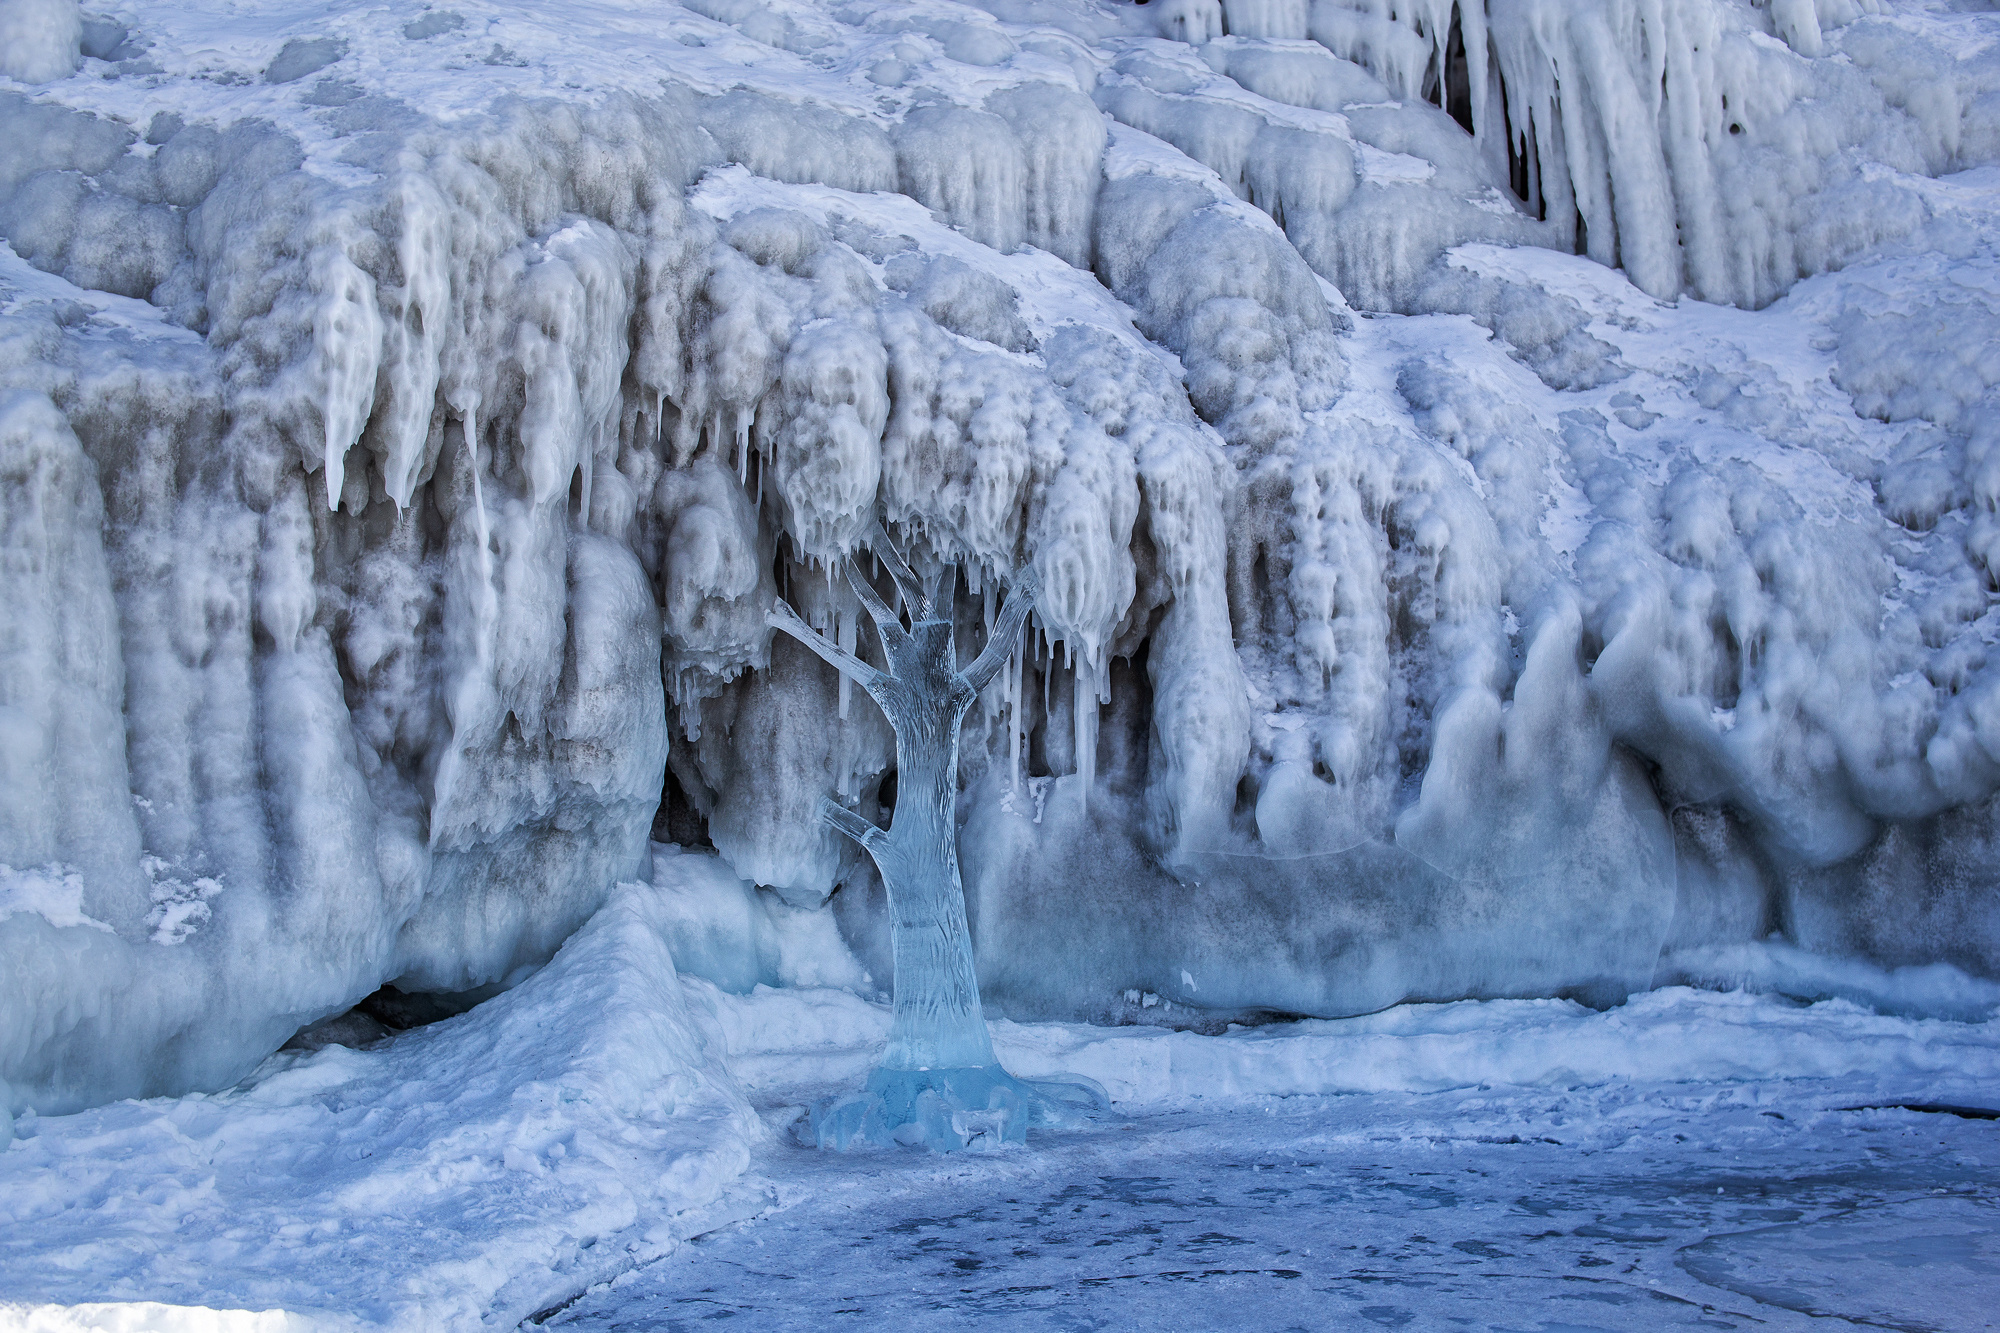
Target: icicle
[
  {"x": 347, "y": 345},
  {"x": 1017, "y": 689},
  {"x": 1083, "y": 712},
  {"x": 690, "y": 706},
  {"x": 472, "y": 684},
  {"x": 479, "y": 503},
  {"x": 846, "y": 633},
  {"x": 1048, "y": 674}
]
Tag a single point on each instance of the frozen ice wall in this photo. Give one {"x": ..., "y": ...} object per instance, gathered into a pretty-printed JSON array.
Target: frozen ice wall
[{"x": 407, "y": 417}]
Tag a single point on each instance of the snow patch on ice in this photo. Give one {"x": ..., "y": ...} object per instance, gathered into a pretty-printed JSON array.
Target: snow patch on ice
[
  {"x": 789, "y": 1045},
  {"x": 52, "y": 892},
  {"x": 179, "y": 908},
  {"x": 150, "y": 1317}
]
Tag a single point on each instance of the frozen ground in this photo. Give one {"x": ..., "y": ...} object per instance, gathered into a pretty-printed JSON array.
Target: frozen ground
[
  {"x": 1521, "y": 1164},
  {"x": 1691, "y": 1160},
  {"x": 1621, "y": 1207}
]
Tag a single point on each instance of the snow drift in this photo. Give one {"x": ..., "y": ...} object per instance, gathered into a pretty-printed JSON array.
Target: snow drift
[
  {"x": 480, "y": 1169},
  {"x": 407, "y": 419}
]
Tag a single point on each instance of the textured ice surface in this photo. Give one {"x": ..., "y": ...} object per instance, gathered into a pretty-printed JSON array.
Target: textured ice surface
[
  {"x": 1496, "y": 1212},
  {"x": 479, "y": 1169},
  {"x": 592, "y": 1118},
  {"x": 1513, "y": 499}
]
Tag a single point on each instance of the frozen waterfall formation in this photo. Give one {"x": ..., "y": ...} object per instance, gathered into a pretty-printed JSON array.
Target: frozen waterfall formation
[
  {"x": 1513, "y": 492},
  {"x": 939, "y": 1083}
]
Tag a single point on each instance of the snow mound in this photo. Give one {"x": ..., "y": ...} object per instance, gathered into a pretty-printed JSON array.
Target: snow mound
[
  {"x": 786, "y": 1045},
  {"x": 479, "y": 1169}
]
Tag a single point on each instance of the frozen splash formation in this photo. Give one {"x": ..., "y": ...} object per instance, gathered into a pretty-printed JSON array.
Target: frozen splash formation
[{"x": 1512, "y": 492}]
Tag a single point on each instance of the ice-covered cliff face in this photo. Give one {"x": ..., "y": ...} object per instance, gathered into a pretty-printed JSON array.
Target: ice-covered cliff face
[{"x": 407, "y": 416}]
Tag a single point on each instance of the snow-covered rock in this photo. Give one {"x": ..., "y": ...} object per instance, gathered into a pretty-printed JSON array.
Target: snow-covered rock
[{"x": 40, "y": 40}]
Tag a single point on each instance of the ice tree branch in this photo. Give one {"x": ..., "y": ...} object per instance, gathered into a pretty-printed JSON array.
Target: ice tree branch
[
  {"x": 1006, "y": 632},
  {"x": 853, "y": 825},
  {"x": 886, "y": 622},
  {"x": 942, "y": 589},
  {"x": 782, "y": 617},
  {"x": 899, "y": 570}
]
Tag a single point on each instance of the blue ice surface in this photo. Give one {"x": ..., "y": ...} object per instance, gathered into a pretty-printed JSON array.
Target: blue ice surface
[{"x": 949, "y": 1109}]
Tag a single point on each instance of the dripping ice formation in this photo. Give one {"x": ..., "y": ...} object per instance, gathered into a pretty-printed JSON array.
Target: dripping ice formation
[{"x": 1512, "y": 489}]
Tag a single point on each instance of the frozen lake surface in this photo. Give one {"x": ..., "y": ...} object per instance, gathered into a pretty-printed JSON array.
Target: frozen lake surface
[
  {"x": 1688, "y": 1159},
  {"x": 1608, "y": 1209}
]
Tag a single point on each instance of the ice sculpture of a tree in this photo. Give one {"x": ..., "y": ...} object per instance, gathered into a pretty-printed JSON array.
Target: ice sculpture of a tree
[{"x": 938, "y": 1083}]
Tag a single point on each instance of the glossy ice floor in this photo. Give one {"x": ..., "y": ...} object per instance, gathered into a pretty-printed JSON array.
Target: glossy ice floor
[{"x": 1614, "y": 1208}]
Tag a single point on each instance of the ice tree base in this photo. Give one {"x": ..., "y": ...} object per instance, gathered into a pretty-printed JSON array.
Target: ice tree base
[{"x": 949, "y": 1109}]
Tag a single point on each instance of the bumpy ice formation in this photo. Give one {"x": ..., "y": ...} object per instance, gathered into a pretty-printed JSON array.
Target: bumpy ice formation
[{"x": 1512, "y": 488}]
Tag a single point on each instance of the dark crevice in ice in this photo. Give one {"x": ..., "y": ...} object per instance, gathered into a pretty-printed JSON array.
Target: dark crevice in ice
[
  {"x": 384, "y": 1014},
  {"x": 1934, "y": 1108}
]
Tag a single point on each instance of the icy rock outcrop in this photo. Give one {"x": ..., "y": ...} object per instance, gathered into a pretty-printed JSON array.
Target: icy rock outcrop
[
  {"x": 399, "y": 460},
  {"x": 1712, "y": 146}
]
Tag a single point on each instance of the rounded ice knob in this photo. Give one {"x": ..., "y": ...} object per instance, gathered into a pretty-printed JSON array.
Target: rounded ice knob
[{"x": 40, "y": 40}]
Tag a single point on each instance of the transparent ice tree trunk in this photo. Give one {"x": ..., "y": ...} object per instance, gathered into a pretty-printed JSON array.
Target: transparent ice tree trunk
[{"x": 938, "y": 1082}]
